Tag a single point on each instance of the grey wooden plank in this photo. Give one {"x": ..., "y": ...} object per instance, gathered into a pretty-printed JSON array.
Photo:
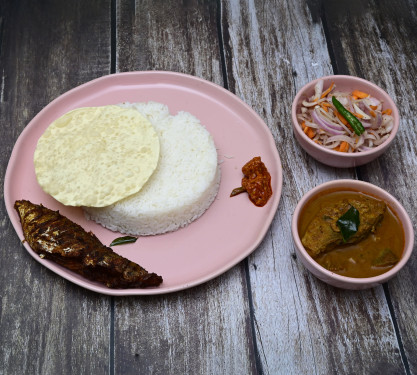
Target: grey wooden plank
[
  {"x": 176, "y": 36},
  {"x": 204, "y": 330},
  {"x": 303, "y": 325},
  {"x": 47, "y": 325},
  {"x": 381, "y": 47}
]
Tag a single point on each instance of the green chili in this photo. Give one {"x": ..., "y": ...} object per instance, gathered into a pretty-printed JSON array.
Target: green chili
[
  {"x": 350, "y": 118},
  {"x": 123, "y": 240}
]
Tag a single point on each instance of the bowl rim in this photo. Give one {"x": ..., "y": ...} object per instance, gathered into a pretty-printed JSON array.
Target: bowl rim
[
  {"x": 399, "y": 210},
  {"x": 388, "y": 100}
]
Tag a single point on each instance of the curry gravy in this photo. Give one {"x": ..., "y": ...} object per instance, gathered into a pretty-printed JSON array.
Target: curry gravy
[{"x": 372, "y": 256}]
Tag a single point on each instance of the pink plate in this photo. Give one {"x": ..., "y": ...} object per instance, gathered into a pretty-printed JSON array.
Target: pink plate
[{"x": 227, "y": 232}]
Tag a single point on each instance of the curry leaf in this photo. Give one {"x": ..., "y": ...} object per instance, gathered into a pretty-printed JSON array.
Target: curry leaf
[
  {"x": 123, "y": 240},
  {"x": 349, "y": 223}
]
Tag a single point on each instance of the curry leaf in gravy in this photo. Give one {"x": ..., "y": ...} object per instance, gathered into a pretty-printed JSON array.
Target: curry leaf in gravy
[
  {"x": 348, "y": 223},
  {"x": 123, "y": 240}
]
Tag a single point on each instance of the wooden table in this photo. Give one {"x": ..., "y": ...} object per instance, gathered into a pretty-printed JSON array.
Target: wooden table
[{"x": 268, "y": 314}]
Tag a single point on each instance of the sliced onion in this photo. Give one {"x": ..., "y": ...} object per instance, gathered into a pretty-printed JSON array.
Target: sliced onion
[
  {"x": 341, "y": 138},
  {"x": 309, "y": 104},
  {"x": 389, "y": 127},
  {"x": 318, "y": 89},
  {"x": 358, "y": 110},
  {"x": 331, "y": 146},
  {"x": 312, "y": 125},
  {"x": 377, "y": 121},
  {"x": 335, "y": 124},
  {"x": 386, "y": 119},
  {"x": 325, "y": 125},
  {"x": 314, "y": 102},
  {"x": 361, "y": 141},
  {"x": 381, "y": 140},
  {"x": 373, "y": 101},
  {"x": 326, "y": 117},
  {"x": 371, "y": 136},
  {"x": 363, "y": 106},
  {"x": 342, "y": 99}
]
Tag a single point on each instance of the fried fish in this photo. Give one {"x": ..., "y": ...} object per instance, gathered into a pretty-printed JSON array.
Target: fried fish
[{"x": 55, "y": 237}]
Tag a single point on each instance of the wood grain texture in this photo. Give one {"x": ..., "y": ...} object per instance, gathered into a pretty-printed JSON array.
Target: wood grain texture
[
  {"x": 267, "y": 315},
  {"x": 387, "y": 32},
  {"x": 205, "y": 330},
  {"x": 272, "y": 50},
  {"x": 179, "y": 36},
  {"x": 47, "y": 325}
]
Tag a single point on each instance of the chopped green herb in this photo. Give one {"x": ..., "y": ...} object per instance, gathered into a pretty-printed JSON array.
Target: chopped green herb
[
  {"x": 123, "y": 240},
  {"x": 348, "y": 223}
]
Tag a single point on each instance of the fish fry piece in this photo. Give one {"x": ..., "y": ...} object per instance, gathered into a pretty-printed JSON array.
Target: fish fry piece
[{"x": 55, "y": 237}]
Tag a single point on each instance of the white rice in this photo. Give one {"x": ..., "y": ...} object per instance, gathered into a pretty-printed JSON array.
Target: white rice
[{"x": 181, "y": 189}]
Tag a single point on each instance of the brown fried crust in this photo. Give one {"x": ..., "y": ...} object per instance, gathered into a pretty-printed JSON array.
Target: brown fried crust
[{"x": 55, "y": 237}]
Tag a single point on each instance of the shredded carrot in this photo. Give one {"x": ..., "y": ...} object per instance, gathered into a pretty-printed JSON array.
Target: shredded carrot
[
  {"x": 374, "y": 107},
  {"x": 309, "y": 131},
  {"x": 327, "y": 91},
  {"x": 303, "y": 125},
  {"x": 373, "y": 114},
  {"x": 387, "y": 111},
  {"x": 354, "y": 97},
  {"x": 344, "y": 147},
  {"x": 358, "y": 115},
  {"x": 360, "y": 94},
  {"x": 341, "y": 118},
  {"x": 325, "y": 106}
]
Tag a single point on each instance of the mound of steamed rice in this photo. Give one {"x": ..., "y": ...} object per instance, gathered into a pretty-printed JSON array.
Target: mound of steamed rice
[{"x": 181, "y": 189}]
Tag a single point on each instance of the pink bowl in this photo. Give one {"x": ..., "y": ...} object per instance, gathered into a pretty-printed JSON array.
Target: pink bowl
[
  {"x": 335, "y": 158},
  {"x": 343, "y": 281}
]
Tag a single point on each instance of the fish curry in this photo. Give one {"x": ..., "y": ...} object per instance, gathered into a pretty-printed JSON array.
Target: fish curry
[{"x": 351, "y": 233}]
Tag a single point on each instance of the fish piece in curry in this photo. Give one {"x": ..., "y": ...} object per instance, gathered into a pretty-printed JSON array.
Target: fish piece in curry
[{"x": 323, "y": 234}]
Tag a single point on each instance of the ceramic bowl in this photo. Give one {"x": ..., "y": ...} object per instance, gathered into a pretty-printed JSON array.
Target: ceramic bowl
[
  {"x": 335, "y": 158},
  {"x": 343, "y": 281}
]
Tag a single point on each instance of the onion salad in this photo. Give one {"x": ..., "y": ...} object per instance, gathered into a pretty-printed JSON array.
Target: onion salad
[{"x": 325, "y": 125}]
